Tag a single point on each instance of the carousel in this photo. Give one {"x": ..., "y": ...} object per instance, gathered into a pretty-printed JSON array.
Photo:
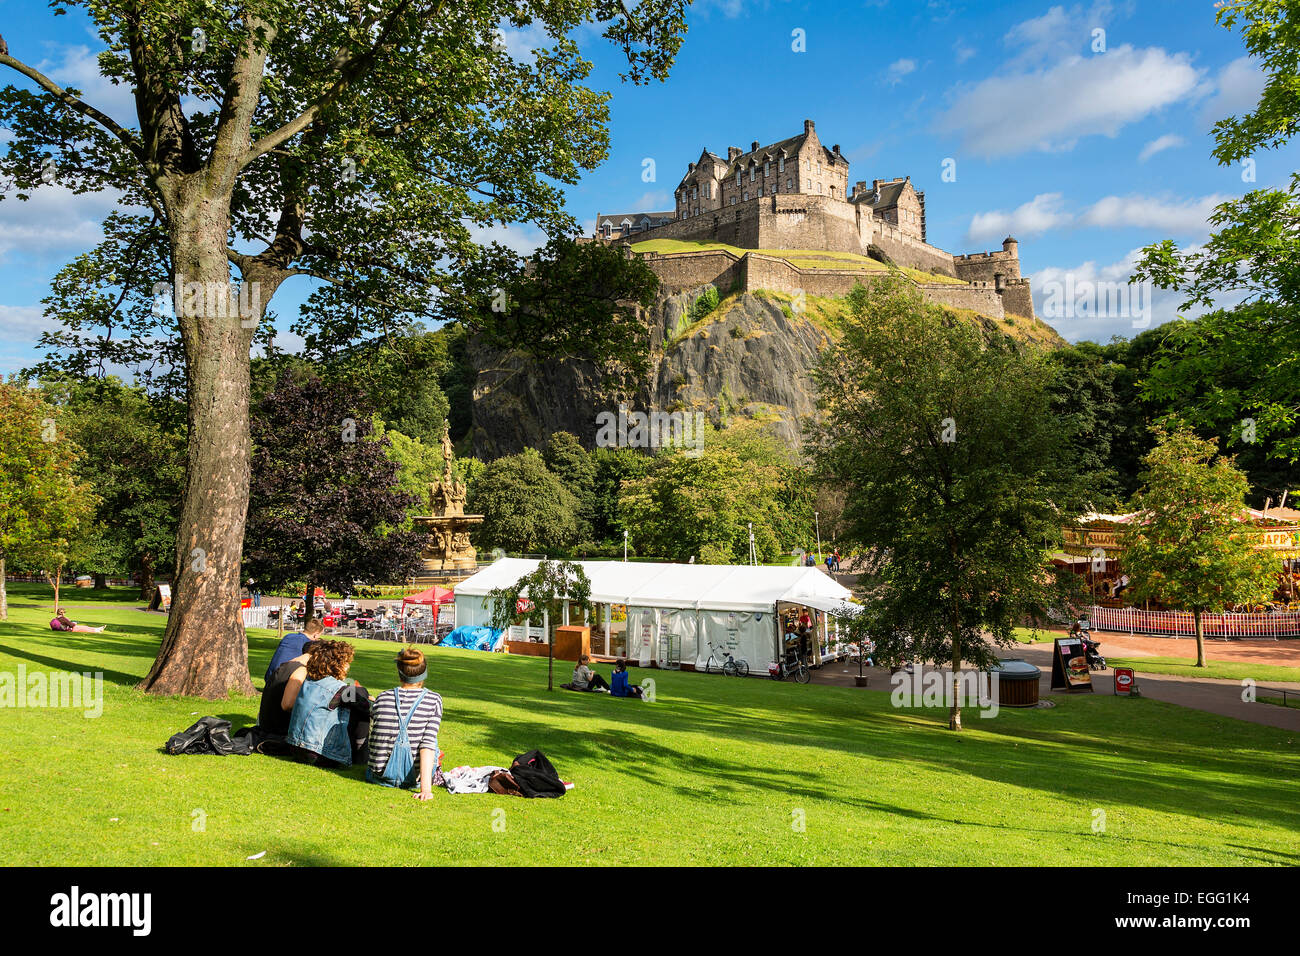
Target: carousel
[{"x": 1093, "y": 548}]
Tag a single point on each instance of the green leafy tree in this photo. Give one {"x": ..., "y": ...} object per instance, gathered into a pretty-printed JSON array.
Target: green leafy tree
[
  {"x": 1190, "y": 549},
  {"x": 1253, "y": 254},
  {"x": 613, "y": 467},
  {"x": 953, "y": 473},
  {"x": 42, "y": 504},
  {"x": 134, "y": 457},
  {"x": 542, "y": 589},
  {"x": 357, "y": 144},
  {"x": 573, "y": 465},
  {"x": 525, "y": 507}
]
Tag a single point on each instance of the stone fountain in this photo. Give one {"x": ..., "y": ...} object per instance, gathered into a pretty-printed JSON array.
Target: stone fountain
[{"x": 448, "y": 526}]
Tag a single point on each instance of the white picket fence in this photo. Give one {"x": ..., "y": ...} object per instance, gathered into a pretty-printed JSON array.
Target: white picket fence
[
  {"x": 1180, "y": 623},
  {"x": 255, "y": 616}
]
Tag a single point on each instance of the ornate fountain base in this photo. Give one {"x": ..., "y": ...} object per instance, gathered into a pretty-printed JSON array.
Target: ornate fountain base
[{"x": 450, "y": 549}]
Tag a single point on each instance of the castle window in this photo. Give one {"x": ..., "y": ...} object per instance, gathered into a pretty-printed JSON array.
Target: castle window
[
  {"x": 760, "y": 192},
  {"x": 780, "y": 164},
  {"x": 767, "y": 170},
  {"x": 738, "y": 175},
  {"x": 733, "y": 201},
  {"x": 789, "y": 184},
  {"x": 753, "y": 171},
  {"x": 832, "y": 192},
  {"x": 807, "y": 165}
]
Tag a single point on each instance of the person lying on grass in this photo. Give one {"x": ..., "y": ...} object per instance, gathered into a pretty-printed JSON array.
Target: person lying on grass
[
  {"x": 329, "y": 720},
  {"x": 584, "y": 678},
  {"x": 404, "y": 733},
  {"x": 61, "y": 619}
]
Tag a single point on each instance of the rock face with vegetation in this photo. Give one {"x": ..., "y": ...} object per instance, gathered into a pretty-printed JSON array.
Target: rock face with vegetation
[{"x": 748, "y": 355}]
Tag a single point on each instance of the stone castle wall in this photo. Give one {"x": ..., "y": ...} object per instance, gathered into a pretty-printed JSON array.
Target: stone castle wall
[
  {"x": 909, "y": 251},
  {"x": 825, "y": 223},
  {"x": 1017, "y": 298},
  {"x": 985, "y": 266},
  {"x": 683, "y": 271}
]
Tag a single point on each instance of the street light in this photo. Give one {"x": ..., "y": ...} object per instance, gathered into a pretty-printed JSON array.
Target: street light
[
  {"x": 817, "y": 517},
  {"x": 625, "y": 544}
]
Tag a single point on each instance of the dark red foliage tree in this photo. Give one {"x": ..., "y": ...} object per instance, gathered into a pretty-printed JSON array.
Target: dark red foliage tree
[{"x": 324, "y": 507}]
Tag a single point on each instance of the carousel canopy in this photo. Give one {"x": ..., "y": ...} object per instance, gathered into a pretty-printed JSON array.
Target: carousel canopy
[{"x": 1105, "y": 531}]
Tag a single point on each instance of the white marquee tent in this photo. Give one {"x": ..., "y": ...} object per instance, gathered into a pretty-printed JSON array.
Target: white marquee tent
[{"x": 731, "y": 606}]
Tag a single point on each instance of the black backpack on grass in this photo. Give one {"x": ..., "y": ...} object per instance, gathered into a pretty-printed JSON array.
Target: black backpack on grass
[
  {"x": 210, "y": 735},
  {"x": 535, "y": 775}
]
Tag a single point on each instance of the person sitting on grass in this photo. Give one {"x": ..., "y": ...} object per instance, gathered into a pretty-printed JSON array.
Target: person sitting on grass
[
  {"x": 584, "y": 678},
  {"x": 619, "y": 687},
  {"x": 418, "y": 711},
  {"x": 293, "y": 645},
  {"x": 61, "y": 623},
  {"x": 329, "y": 722}
]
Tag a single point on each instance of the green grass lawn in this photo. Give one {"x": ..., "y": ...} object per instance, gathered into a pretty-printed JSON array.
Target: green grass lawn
[
  {"x": 716, "y": 771},
  {"x": 1224, "y": 670}
]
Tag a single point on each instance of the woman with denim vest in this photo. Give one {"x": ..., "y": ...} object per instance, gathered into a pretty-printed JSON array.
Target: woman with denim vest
[{"x": 330, "y": 722}]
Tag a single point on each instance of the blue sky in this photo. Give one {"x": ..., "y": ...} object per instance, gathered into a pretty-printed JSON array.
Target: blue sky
[{"x": 1084, "y": 145}]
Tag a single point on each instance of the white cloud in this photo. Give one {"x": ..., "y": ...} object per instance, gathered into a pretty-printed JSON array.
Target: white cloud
[
  {"x": 522, "y": 238},
  {"x": 1051, "y": 109},
  {"x": 78, "y": 67},
  {"x": 54, "y": 219},
  {"x": 1057, "y": 34},
  {"x": 1237, "y": 90},
  {"x": 653, "y": 202},
  {"x": 1037, "y": 216},
  {"x": 962, "y": 52},
  {"x": 1159, "y": 145},
  {"x": 1188, "y": 217},
  {"x": 1148, "y": 307},
  {"x": 898, "y": 69}
]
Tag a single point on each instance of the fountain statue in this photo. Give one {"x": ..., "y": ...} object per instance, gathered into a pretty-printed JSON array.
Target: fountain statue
[{"x": 448, "y": 526}]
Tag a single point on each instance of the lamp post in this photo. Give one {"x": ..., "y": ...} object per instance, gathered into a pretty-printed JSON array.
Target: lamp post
[
  {"x": 817, "y": 517},
  {"x": 625, "y": 544},
  {"x": 753, "y": 556}
]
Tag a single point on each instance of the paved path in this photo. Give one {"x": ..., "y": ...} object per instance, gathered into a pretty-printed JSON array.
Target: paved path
[{"x": 1199, "y": 693}]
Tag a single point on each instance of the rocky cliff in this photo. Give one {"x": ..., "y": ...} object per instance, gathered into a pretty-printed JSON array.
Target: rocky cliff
[{"x": 751, "y": 356}]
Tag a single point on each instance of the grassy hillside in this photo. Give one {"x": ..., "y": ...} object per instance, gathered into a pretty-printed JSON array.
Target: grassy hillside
[{"x": 717, "y": 770}]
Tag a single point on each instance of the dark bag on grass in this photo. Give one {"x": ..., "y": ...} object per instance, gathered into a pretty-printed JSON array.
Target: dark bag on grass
[
  {"x": 209, "y": 735},
  {"x": 535, "y": 775},
  {"x": 501, "y": 782}
]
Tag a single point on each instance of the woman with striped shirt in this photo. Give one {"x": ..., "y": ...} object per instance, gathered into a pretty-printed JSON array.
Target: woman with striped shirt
[{"x": 422, "y": 711}]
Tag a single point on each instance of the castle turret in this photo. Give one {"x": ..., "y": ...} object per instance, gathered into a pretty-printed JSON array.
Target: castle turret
[{"x": 1011, "y": 247}]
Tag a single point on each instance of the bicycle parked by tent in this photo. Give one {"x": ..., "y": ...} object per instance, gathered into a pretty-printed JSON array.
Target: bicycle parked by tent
[
  {"x": 792, "y": 666},
  {"x": 722, "y": 660}
]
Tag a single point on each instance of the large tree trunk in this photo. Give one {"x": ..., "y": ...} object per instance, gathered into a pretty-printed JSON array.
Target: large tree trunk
[
  {"x": 1200, "y": 638},
  {"x": 101, "y": 581},
  {"x": 954, "y": 712},
  {"x": 146, "y": 578},
  {"x": 204, "y": 650}
]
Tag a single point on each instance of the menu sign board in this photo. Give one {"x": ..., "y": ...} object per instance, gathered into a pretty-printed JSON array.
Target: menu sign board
[
  {"x": 165, "y": 597},
  {"x": 1124, "y": 681},
  {"x": 1070, "y": 666}
]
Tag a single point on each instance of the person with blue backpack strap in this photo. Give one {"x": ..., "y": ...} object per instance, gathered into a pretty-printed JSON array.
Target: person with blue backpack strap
[{"x": 404, "y": 730}]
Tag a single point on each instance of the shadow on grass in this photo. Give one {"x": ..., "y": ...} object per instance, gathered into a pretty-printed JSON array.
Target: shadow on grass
[{"x": 1093, "y": 752}]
